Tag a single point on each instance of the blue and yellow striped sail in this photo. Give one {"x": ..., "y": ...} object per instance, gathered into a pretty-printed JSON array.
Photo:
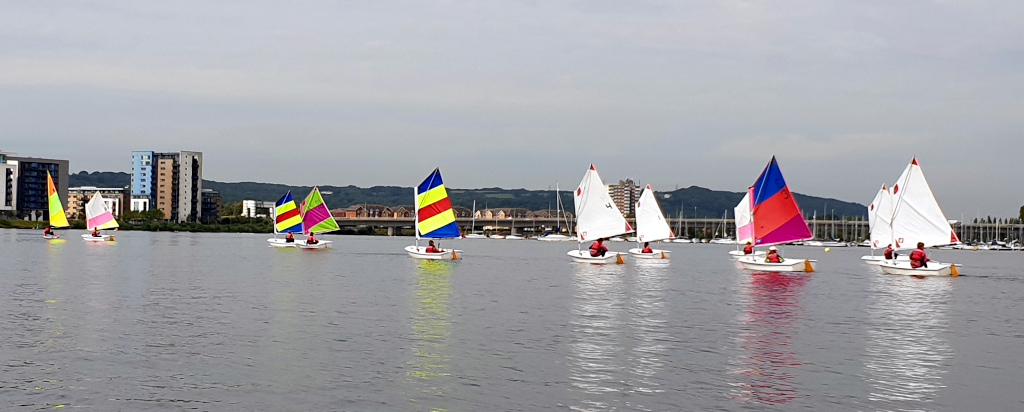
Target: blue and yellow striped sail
[
  {"x": 286, "y": 215},
  {"x": 434, "y": 215}
]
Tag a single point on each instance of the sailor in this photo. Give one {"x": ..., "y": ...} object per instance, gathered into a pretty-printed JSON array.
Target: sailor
[
  {"x": 48, "y": 231},
  {"x": 95, "y": 232},
  {"x": 890, "y": 253},
  {"x": 598, "y": 248},
  {"x": 290, "y": 238},
  {"x": 748, "y": 249},
  {"x": 312, "y": 239},
  {"x": 431, "y": 248},
  {"x": 773, "y": 256},
  {"x": 919, "y": 259},
  {"x": 647, "y": 248}
]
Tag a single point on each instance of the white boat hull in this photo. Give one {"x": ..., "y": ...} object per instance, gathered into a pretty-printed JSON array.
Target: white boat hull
[
  {"x": 903, "y": 268},
  {"x": 876, "y": 260},
  {"x": 51, "y": 236},
  {"x": 655, "y": 254},
  {"x": 322, "y": 244},
  {"x": 679, "y": 240},
  {"x": 513, "y": 237},
  {"x": 100, "y": 238},
  {"x": 475, "y": 236},
  {"x": 281, "y": 243},
  {"x": 736, "y": 254},
  {"x": 788, "y": 265},
  {"x": 420, "y": 252},
  {"x": 555, "y": 238},
  {"x": 583, "y": 256}
]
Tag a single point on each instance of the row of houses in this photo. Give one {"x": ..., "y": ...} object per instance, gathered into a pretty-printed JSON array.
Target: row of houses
[{"x": 363, "y": 211}]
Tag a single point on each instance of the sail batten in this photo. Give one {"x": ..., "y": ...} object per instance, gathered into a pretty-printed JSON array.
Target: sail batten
[
  {"x": 57, "y": 216},
  {"x": 596, "y": 214},
  {"x": 776, "y": 216}
]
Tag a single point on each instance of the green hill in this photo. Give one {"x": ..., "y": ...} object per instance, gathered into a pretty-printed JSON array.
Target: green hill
[{"x": 708, "y": 203}]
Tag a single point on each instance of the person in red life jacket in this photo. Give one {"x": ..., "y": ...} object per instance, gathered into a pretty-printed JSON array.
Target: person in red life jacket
[
  {"x": 312, "y": 239},
  {"x": 919, "y": 259},
  {"x": 598, "y": 248},
  {"x": 773, "y": 256},
  {"x": 748, "y": 249},
  {"x": 432, "y": 249},
  {"x": 48, "y": 231},
  {"x": 290, "y": 238},
  {"x": 647, "y": 248},
  {"x": 890, "y": 253},
  {"x": 95, "y": 232}
]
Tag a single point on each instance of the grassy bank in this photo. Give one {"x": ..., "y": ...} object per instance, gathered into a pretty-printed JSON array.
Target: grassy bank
[{"x": 227, "y": 225}]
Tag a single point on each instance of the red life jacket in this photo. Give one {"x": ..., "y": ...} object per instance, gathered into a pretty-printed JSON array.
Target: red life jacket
[
  {"x": 774, "y": 258},
  {"x": 748, "y": 250},
  {"x": 597, "y": 249},
  {"x": 888, "y": 253},
  {"x": 647, "y": 250},
  {"x": 432, "y": 249},
  {"x": 917, "y": 258}
]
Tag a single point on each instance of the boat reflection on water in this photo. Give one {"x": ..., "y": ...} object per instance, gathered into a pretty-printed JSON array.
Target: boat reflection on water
[
  {"x": 768, "y": 325},
  {"x": 906, "y": 348},
  {"x": 596, "y": 353},
  {"x": 430, "y": 368},
  {"x": 648, "y": 324}
]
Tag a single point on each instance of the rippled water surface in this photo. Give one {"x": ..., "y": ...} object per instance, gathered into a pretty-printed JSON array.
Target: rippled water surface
[{"x": 178, "y": 321}]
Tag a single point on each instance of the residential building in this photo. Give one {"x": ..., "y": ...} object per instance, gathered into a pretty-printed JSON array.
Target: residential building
[
  {"x": 115, "y": 199},
  {"x": 25, "y": 190},
  {"x": 257, "y": 208},
  {"x": 625, "y": 194},
  {"x": 213, "y": 205},
  {"x": 170, "y": 182}
]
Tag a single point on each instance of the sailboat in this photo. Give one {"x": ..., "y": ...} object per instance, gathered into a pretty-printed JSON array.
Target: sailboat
[
  {"x": 725, "y": 239},
  {"x": 559, "y": 212},
  {"x": 777, "y": 220},
  {"x": 435, "y": 218},
  {"x": 651, "y": 226},
  {"x": 98, "y": 216},
  {"x": 917, "y": 217},
  {"x": 316, "y": 218},
  {"x": 57, "y": 217},
  {"x": 472, "y": 227},
  {"x": 880, "y": 224},
  {"x": 744, "y": 227},
  {"x": 596, "y": 217},
  {"x": 287, "y": 219}
]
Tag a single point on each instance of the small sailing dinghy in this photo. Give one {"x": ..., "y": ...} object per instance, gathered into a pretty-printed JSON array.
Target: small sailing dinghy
[
  {"x": 287, "y": 219},
  {"x": 917, "y": 217},
  {"x": 57, "y": 217},
  {"x": 744, "y": 228},
  {"x": 98, "y": 217},
  {"x": 879, "y": 225},
  {"x": 651, "y": 226},
  {"x": 777, "y": 220},
  {"x": 597, "y": 217},
  {"x": 435, "y": 219},
  {"x": 316, "y": 218}
]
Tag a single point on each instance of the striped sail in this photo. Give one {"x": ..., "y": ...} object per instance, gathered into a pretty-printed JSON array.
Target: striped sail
[
  {"x": 434, "y": 215},
  {"x": 777, "y": 217},
  {"x": 286, "y": 215},
  {"x": 57, "y": 216},
  {"x": 97, "y": 215},
  {"x": 316, "y": 217}
]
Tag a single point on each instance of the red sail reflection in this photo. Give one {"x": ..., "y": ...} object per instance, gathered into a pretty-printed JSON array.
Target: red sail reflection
[{"x": 773, "y": 309}]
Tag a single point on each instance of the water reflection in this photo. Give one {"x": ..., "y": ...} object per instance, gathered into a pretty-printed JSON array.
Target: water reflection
[
  {"x": 906, "y": 350},
  {"x": 430, "y": 368},
  {"x": 766, "y": 365},
  {"x": 596, "y": 358},
  {"x": 648, "y": 325}
]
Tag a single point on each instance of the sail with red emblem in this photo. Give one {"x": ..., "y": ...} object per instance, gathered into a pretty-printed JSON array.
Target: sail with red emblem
[{"x": 916, "y": 215}]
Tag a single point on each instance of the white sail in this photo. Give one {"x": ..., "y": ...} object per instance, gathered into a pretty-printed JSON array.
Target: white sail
[
  {"x": 650, "y": 222},
  {"x": 744, "y": 220},
  {"x": 880, "y": 219},
  {"x": 596, "y": 213},
  {"x": 97, "y": 214},
  {"x": 917, "y": 216}
]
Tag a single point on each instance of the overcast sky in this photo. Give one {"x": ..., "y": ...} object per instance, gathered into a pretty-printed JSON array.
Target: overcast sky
[{"x": 521, "y": 94}]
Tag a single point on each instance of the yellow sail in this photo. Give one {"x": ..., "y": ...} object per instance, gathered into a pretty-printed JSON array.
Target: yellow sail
[{"x": 57, "y": 216}]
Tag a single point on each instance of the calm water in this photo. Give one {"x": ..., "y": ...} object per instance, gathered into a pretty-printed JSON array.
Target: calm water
[{"x": 178, "y": 321}]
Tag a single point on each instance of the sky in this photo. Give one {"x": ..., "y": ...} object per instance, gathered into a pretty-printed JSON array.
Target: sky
[{"x": 526, "y": 94}]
